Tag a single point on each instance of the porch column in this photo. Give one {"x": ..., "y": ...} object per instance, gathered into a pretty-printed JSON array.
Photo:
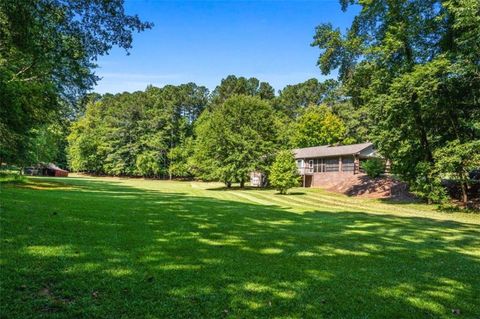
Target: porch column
[
  {"x": 356, "y": 164},
  {"x": 388, "y": 166},
  {"x": 339, "y": 163}
]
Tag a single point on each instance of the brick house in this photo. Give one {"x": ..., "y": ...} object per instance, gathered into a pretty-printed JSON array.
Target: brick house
[{"x": 325, "y": 164}]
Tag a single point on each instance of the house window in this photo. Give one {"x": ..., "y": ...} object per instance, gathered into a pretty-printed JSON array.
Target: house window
[
  {"x": 348, "y": 165},
  {"x": 310, "y": 166},
  {"x": 316, "y": 166},
  {"x": 331, "y": 165},
  {"x": 299, "y": 163}
]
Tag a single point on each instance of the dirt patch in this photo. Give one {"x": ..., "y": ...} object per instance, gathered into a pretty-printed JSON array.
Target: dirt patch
[{"x": 381, "y": 187}]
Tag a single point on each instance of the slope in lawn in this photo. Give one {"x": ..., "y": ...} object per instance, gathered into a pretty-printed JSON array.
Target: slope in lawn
[{"x": 152, "y": 249}]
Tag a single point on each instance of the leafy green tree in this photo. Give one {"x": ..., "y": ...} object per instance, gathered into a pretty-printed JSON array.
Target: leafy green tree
[
  {"x": 317, "y": 126},
  {"x": 456, "y": 160},
  {"x": 180, "y": 157},
  {"x": 116, "y": 129},
  {"x": 284, "y": 172},
  {"x": 87, "y": 145},
  {"x": 47, "y": 54},
  {"x": 48, "y": 144},
  {"x": 147, "y": 164},
  {"x": 374, "y": 167},
  {"x": 411, "y": 67},
  {"x": 233, "y": 85},
  {"x": 294, "y": 98},
  {"x": 235, "y": 138}
]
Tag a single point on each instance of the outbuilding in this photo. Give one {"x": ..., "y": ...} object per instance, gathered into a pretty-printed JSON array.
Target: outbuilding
[{"x": 45, "y": 169}]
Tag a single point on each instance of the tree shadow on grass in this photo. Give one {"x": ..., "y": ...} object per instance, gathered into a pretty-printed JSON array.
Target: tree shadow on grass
[{"x": 104, "y": 249}]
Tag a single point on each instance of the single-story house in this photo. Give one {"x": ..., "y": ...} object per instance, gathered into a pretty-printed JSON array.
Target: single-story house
[
  {"x": 45, "y": 169},
  {"x": 324, "y": 164}
]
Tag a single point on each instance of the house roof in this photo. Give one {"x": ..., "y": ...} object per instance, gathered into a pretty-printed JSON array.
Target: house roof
[
  {"x": 49, "y": 166},
  {"x": 327, "y": 150}
]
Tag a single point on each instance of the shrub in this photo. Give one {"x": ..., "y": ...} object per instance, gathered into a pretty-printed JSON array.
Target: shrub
[
  {"x": 284, "y": 172},
  {"x": 373, "y": 167},
  {"x": 147, "y": 164},
  {"x": 11, "y": 177},
  {"x": 428, "y": 185}
]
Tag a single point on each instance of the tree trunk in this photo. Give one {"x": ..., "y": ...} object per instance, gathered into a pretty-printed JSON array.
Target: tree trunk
[
  {"x": 229, "y": 184},
  {"x": 242, "y": 183},
  {"x": 463, "y": 186}
]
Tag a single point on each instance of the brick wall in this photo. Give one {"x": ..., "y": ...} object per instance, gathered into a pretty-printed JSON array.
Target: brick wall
[{"x": 326, "y": 180}]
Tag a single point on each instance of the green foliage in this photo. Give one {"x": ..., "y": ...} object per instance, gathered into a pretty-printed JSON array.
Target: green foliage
[
  {"x": 9, "y": 176},
  {"x": 234, "y": 139},
  {"x": 133, "y": 133},
  {"x": 317, "y": 126},
  {"x": 410, "y": 70},
  {"x": 284, "y": 172},
  {"x": 427, "y": 184},
  {"x": 374, "y": 167},
  {"x": 294, "y": 98},
  {"x": 48, "y": 144},
  {"x": 232, "y": 85},
  {"x": 147, "y": 164},
  {"x": 181, "y": 159},
  {"x": 456, "y": 160},
  {"x": 46, "y": 54}
]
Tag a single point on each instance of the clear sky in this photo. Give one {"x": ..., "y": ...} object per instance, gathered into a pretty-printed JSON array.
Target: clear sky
[{"x": 204, "y": 41}]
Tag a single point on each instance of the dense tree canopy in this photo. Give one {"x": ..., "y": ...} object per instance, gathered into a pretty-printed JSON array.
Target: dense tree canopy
[
  {"x": 294, "y": 98},
  {"x": 232, "y": 85},
  {"x": 47, "y": 54},
  {"x": 413, "y": 68},
  {"x": 235, "y": 138},
  {"x": 133, "y": 133},
  {"x": 317, "y": 125},
  {"x": 408, "y": 80}
]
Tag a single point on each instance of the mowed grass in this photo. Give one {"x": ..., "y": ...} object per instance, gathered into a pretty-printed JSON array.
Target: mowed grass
[{"x": 131, "y": 248}]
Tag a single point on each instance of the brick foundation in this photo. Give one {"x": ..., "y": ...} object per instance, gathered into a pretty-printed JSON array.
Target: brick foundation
[{"x": 329, "y": 179}]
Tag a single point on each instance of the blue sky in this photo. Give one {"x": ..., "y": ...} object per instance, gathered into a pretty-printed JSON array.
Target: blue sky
[{"x": 204, "y": 41}]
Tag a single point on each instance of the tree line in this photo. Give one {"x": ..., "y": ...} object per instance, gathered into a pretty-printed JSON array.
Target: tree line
[
  {"x": 408, "y": 80},
  {"x": 411, "y": 69},
  {"x": 186, "y": 131}
]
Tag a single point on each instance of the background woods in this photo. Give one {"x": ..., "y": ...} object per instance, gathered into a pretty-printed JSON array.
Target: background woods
[{"x": 408, "y": 80}]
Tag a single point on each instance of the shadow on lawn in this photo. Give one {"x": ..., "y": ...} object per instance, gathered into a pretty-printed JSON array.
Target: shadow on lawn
[{"x": 103, "y": 249}]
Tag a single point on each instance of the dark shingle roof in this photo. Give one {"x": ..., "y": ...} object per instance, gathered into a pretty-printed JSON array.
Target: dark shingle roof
[{"x": 327, "y": 150}]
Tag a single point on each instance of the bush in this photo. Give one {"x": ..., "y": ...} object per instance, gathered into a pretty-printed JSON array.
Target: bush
[
  {"x": 147, "y": 164},
  {"x": 428, "y": 185},
  {"x": 373, "y": 167},
  {"x": 284, "y": 172},
  {"x": 11, "y": 177}
]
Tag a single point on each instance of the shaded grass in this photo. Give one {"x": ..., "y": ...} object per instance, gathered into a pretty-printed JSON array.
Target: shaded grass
[
  {"x": 11, "y": 177},
  {"x": 111, "y": 248}
]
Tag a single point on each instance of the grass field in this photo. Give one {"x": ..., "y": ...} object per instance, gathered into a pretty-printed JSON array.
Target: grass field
[{"x": 131, "y": 248}]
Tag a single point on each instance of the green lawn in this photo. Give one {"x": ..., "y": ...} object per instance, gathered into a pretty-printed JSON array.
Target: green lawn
[{"x": 130, "y": 248}]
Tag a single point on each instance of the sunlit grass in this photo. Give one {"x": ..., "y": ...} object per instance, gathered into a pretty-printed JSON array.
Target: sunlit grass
[{"x": 133, "y": 248}]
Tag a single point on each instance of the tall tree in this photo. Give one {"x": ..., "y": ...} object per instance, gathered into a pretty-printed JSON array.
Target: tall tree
[
  {"x": 133, "y": 133},
  {"x": 317, "y": 126},
  {"x": 284, "y": 172},
  {"x": 233, "y": 85},
  {"x": 294, "y": 98},
  {"x": 235, "y": 138},
  {"x": 414, "y": 67},
  {"x": 47, "y": 54}
]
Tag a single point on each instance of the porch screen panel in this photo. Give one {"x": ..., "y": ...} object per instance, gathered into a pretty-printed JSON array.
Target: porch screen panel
[
  {"x": 331, "y": 165},
  {"x": 348, "y": 165},
  {"x": 316, "y": 166}
]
